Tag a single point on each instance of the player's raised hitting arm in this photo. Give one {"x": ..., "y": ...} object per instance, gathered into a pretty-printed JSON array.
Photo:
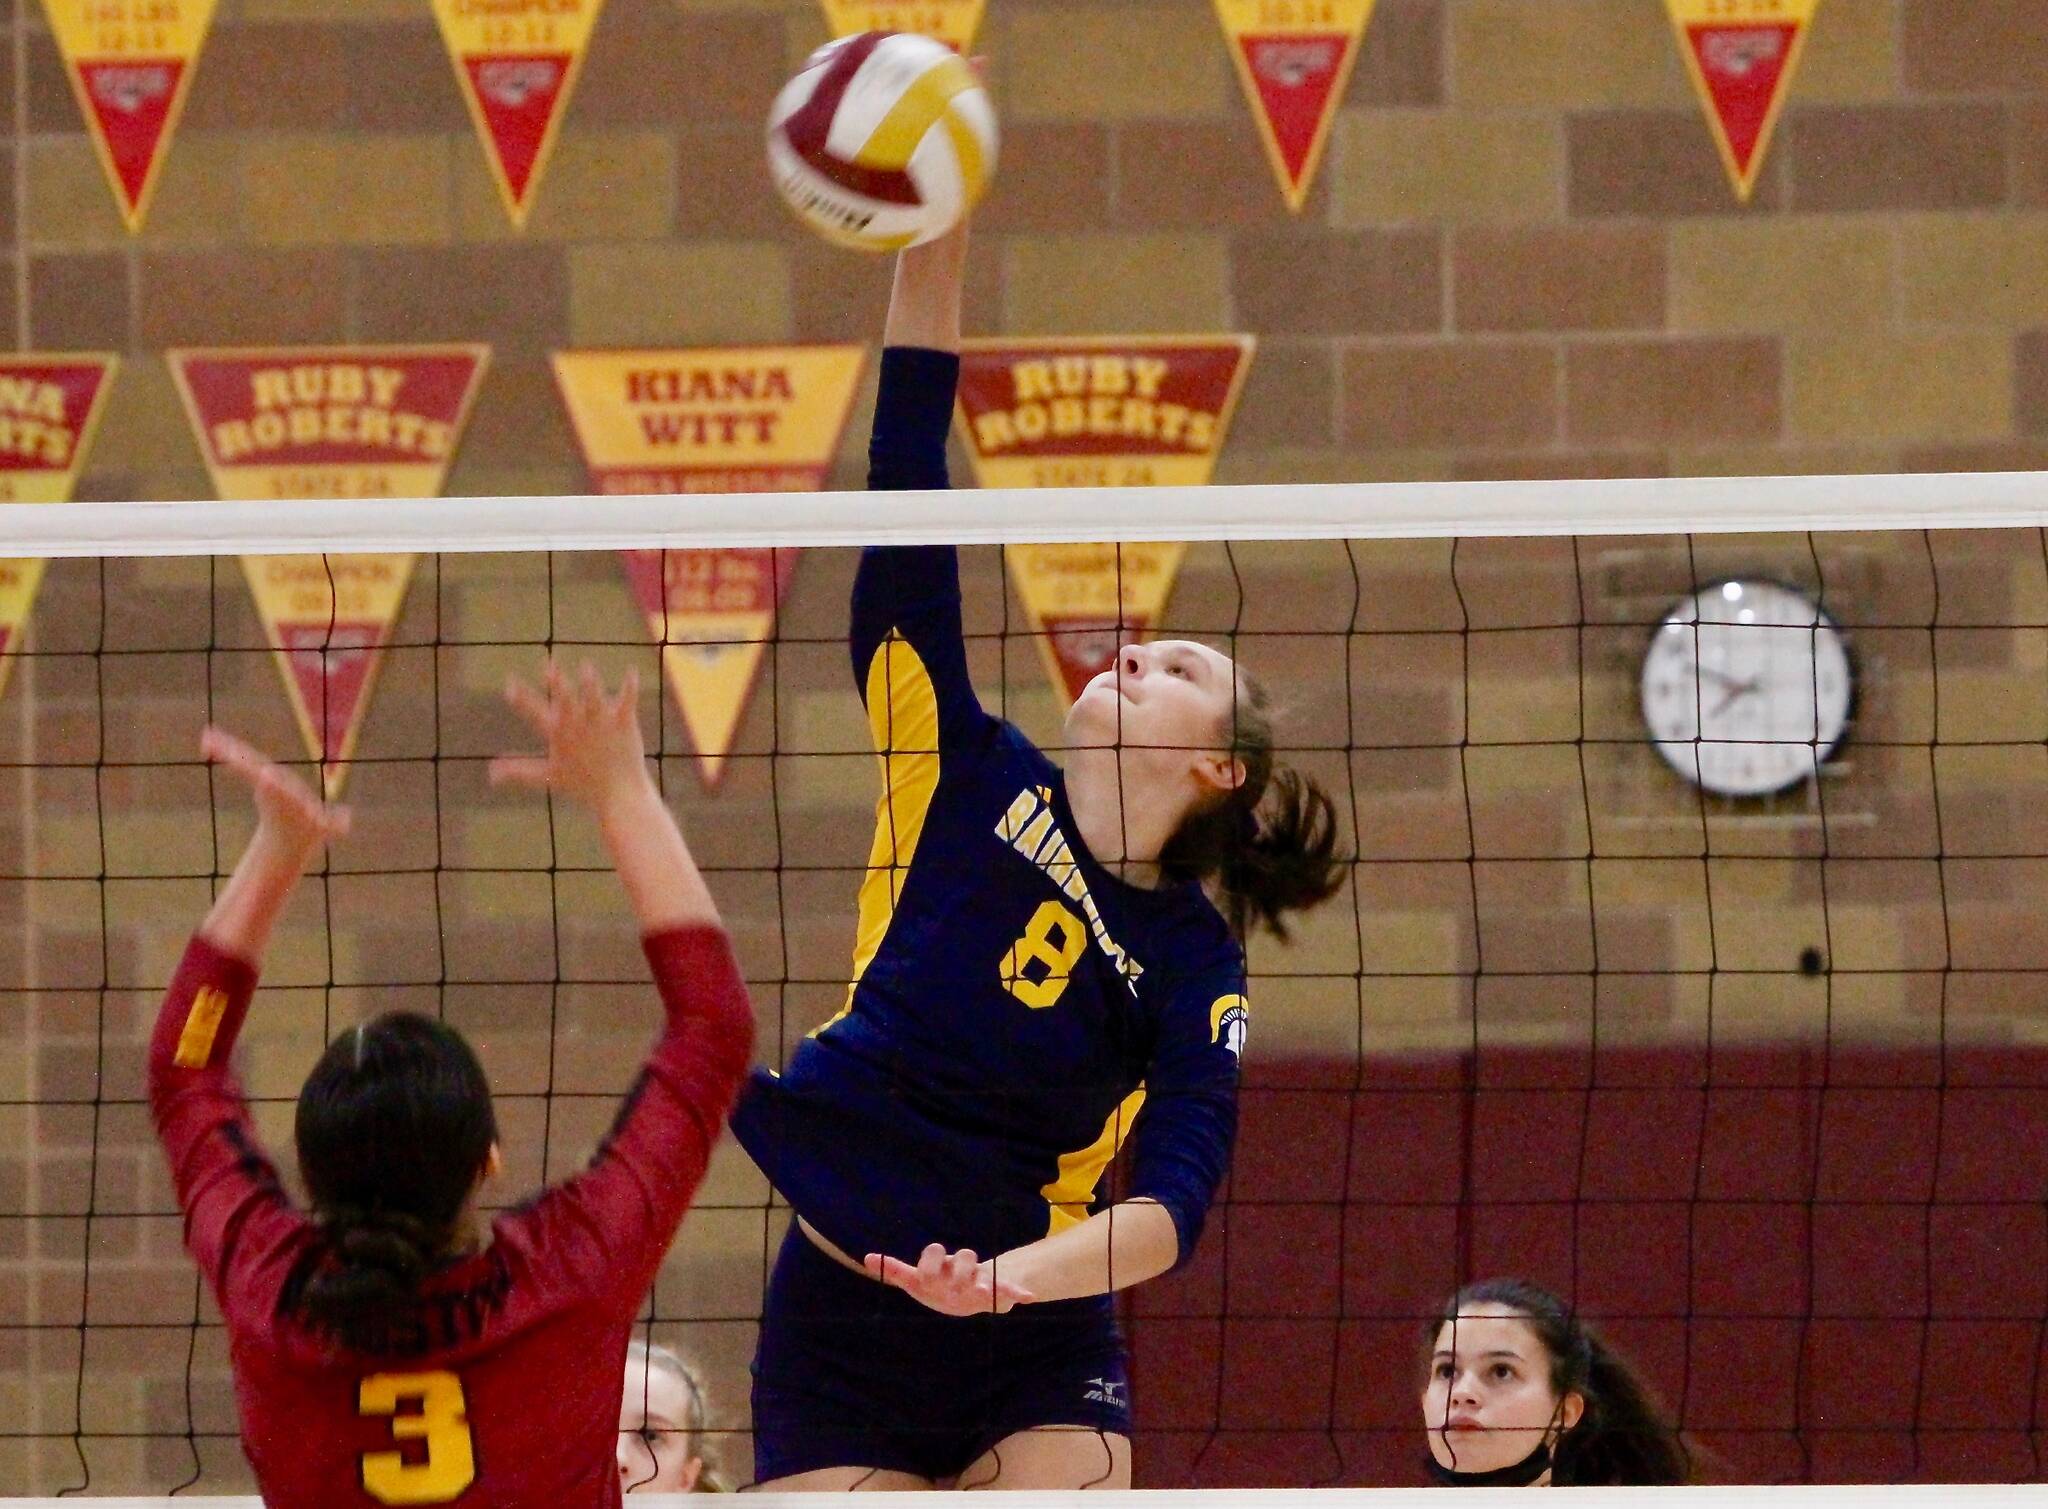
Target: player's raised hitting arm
[{"x": 909, "y": 658}]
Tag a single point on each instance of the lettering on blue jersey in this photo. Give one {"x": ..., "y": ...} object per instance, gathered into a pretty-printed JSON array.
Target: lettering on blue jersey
[
  {"x": 1029, "y": 828},
  {"x": 1228, "y": 1018}
]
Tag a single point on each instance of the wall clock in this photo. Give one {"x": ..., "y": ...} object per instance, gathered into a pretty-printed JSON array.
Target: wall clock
[{"x": 1747, "y": 688}]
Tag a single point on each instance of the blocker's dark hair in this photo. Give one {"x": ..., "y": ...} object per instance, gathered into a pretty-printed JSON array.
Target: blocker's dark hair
[
  {"x": 1623, "y": 1439},
  {"x": 1270, "y": 844},
  {"x": 394, "y": 1126}
]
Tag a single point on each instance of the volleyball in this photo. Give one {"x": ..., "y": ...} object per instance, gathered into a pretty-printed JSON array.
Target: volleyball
[{"x": 884, "y": 140}]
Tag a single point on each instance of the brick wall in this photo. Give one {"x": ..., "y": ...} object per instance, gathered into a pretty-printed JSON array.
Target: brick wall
[{"x": 1521, "y": 260}]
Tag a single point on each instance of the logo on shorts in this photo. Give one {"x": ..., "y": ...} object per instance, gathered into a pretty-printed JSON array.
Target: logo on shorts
[{"x": 1106, "y": 1391}]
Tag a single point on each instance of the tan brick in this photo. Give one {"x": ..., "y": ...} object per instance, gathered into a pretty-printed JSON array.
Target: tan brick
[
  {"x": 1527, "y": 801},
  {"x": 1401, "y": 61},
  {"x": 1974, "y": 270},
  {"x": 1652, "y": 914},
  {"x": 197, "y": 200},
  {"x": 1974, "y": 46},
  {"x": 650, "y": 63},
  {"x": 1442, "y": 166},
  {"x": 1672, "y": 391},
  {"x": 272, "y": 78},
  {"x": 1291, "y": 464},
  {"x": 79, "y": 303},
  {"x": 1657, "y": 162},
  {"x": 1781, "y": 459},
  {"x": 1450, "y": 395},
  {"x": 600, "y": 185},
  {"x": 1523, "y": 686},
  {"x": 1524, "y": 278},
  {"x": 2029, "y": 142},
  {"x": 1054, "y": 176},
  {"x": 2030, "y": 382},
  {"x": 1911, "y": 386},
  {"x": 1557, "y": 54},
  {"x": 1158, "y": 185},
  {"x": 412, "y": 88},
  {"x": 331, "y": 10},
  {"x": 1766, "y": 911},
  {"x": 1993, "y": 685},
  {"x": 1289, "y": 399},
  {"x": 1534, "y": 916},
  {"x": 143, "y": 420},
  {"x": 673, "y": 294},
  {"x": 1792, "y": 273},
  {"x": 515, "y": 297},
  {"x": 372, "y": 190},
  {"x": 1851, "y": 55},
  {"x": 241, "y": 296},
  {"x": 1104, "y": 284},
  {"x": 69, "y": 203},
  {"x": 1897, "y": 157},
  {"x": 1127, "y": 62},
  {"x": 1348, "y": 283}
]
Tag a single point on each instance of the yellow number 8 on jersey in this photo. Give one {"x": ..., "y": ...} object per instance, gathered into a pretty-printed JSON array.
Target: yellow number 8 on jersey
[
  {"x": 1054, "y": 940},
  {"x": 442, "y": 1422}
]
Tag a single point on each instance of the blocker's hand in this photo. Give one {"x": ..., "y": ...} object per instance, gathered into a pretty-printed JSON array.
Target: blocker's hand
[
  {"x": 952, "y": 1283},
  {"x": 287, "y": 811},
  {"x": 594, "y": 749}
]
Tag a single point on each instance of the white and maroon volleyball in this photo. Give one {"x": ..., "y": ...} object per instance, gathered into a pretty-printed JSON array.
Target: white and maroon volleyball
[{"x": 883, "y": 141}]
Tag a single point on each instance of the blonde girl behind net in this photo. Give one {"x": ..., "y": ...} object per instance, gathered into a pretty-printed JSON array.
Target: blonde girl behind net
[{"x": 662, "y": 1421}]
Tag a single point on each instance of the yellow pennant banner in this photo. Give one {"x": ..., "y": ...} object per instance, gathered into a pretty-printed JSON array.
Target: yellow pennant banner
[
  {"x": 953, "y": 22},
  {"x": 1294, "y": 58},
  {"x": 1742, "y": 55},
  {"x": 517, "y": 62},
  {"x": 131, "y": 64},
  {"x": 329, "y": 422},
  {"x": 49, "y": 408},
  {"x": 1130, "y": 411},
  {"x": 723, "y": 419}
]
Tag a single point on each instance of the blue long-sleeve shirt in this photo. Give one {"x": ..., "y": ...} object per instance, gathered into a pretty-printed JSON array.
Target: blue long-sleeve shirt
[{"x": 1016, "y": 1011}]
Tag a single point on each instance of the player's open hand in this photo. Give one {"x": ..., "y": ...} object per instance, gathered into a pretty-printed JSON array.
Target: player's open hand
[
  {"x": 287, "y": 810},
  {"x": 952, "y": 1283},
  {"x": 594, "y": 750}
]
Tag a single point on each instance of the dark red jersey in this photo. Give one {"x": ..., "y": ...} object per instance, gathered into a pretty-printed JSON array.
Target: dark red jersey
[{"x": 501, "y": 1386}]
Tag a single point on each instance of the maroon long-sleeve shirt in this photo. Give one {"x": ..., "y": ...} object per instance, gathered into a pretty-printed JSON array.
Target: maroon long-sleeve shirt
[{"x": 504, "y": 1387}]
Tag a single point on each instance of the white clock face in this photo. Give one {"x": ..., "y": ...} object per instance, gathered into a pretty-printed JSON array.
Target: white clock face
[{"x": 1746, "y": 688}]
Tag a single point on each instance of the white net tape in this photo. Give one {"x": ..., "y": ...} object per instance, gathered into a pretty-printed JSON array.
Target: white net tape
[{"x": 1697, "y": 505}]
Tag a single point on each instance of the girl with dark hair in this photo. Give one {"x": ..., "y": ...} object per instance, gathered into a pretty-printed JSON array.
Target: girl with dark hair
[
  {"x": 1522, "y": 1394},
  {"x": 1041, "y": 952},
  {"x": 390, "y": 1347}
]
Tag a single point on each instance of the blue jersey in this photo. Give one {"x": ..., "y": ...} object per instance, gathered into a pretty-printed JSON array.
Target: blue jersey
[{"x": 1016, "y": 1011}]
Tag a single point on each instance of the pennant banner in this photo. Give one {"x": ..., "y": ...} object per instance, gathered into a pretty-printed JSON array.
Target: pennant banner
[
  {"x": 517, "y": 61},
  {"x": 342, "y": 422},
  {"x": 951, "y": 21},
  {"x": 726, "y": 419},
  {"x": 1741, "y": 55},
  {"x": 1097, "y": 412},
  {"x": 131, "y": 64},
  {"x": 49, "y": 408},
  {"x": 1294, "y": 58}
]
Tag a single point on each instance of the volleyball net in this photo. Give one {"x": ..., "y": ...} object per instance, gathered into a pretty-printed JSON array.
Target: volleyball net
[{"x": 1751, "y": 1068}]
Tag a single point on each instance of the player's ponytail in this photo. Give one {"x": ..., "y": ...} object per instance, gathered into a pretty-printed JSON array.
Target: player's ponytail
[
  {"x": 1270, "y": 845},
  {"x": 394, "y": 1127},
  {"x": 1623, "y": 1438}
]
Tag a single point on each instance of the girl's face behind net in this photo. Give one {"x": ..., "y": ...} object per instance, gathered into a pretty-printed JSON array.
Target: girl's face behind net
[
  {"x": 656, "y": 1432},
  {"x": 1489, "y": 1402}
]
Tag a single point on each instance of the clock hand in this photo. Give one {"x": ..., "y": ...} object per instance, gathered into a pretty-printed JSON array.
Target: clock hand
[{"x": 1738, "y": 690}]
